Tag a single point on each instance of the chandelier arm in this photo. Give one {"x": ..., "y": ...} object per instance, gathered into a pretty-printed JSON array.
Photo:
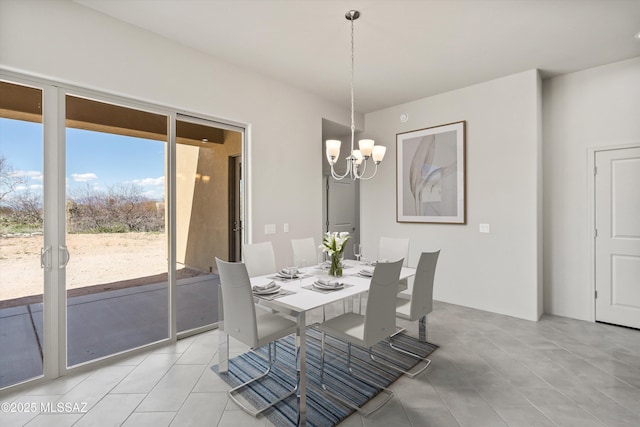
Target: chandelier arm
[
  {"x": 364, "y": 168},
  {"x": 375, "y": 171},
  {"x": 339, "y": 177}
]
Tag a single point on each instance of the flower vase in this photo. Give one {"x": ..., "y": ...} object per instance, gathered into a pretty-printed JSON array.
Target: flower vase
[{"x": 336, "y": 265}]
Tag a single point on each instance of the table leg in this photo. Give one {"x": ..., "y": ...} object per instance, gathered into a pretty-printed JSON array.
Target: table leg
[
  {"x": 223, "y": 351},
  {"x": 347, "y": 304},
  {"x": 223, "y": 338},
  {"x": 422, "y": 329},
  {"x": 301, "y": 347}
]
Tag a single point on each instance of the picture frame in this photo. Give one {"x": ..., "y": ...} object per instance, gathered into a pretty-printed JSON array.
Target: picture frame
[{"x": 431, "y": 175}]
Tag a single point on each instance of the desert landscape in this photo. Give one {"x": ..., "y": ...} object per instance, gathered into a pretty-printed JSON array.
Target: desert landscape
[{"x": 97, "y": 262}]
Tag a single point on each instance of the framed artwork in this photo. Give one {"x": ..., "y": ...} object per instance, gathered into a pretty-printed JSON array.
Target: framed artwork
[{"x": 430, "y": 180}]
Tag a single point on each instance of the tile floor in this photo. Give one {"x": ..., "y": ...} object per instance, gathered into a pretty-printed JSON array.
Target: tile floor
[{"x": 491, "y": 370}]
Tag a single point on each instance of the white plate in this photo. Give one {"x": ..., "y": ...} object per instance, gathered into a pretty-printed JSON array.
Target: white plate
[
  {"x": 286, "y": 276},
  {"x": 268, "y": 291},
  {"x": 365, "y": 273},
  {"x": 330, "y": 288}
]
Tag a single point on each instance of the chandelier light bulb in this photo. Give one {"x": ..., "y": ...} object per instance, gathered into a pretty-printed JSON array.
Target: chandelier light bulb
[
  {"x": 366, "y": 146},
  {"x": 333, "y": 150},
  {"x": 378, "y": 153},
  {"x": 357, "y": 156}
]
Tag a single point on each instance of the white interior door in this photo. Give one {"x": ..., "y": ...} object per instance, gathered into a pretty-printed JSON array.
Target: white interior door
[
  {"x": 617, "y": 247},
  {"x": 343, "y": 210}
]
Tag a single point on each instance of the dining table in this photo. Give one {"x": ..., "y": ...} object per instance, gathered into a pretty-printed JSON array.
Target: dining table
[{"x": 297, "y": 296}]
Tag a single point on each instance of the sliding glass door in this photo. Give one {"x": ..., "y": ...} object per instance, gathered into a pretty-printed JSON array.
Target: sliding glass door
[
  {"x": 21, "y": 234},
  {"x": 116, "y": 240},
  {"x": 112, "y": 213},
  {"x": 204, "y": 215}
]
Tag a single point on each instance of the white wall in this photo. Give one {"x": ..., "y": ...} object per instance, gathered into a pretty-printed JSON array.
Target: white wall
[
  {"x": 497, "y": 272},
  {"x": 595, "y": 108},
  {"x": 67, "y": 42}
]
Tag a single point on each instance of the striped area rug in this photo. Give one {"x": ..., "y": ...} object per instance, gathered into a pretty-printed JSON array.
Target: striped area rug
[{"x": 322, "y": 411}]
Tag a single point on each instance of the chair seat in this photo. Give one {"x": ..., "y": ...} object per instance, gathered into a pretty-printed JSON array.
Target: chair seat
[
  {"x": 272, "y": 327},
  {"x": 347, "y": 327}
]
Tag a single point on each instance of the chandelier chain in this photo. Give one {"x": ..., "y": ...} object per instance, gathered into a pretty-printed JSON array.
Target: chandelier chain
[{"x": 353, "y": 122}]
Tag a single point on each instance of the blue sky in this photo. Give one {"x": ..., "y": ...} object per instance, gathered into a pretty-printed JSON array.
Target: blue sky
[{"x": 94, "y": 158}]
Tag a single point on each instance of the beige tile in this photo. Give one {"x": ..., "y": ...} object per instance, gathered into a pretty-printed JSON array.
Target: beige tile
[
  {"x": 149, "y": 419},
  {"x": 112, "y": 410},
  {"x": 173, "y": 389}
]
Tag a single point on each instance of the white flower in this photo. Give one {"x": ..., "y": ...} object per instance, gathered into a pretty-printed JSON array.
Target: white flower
[{"x": 334, "y": 242}]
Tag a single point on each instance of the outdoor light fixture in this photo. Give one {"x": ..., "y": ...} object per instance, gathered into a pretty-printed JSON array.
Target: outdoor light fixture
[{"x": 357, "y": 160}]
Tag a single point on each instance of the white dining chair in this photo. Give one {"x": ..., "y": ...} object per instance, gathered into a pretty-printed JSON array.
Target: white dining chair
[
  {"x": 305, "y": 252},
  {"x": 392, "y": 249},
  {"x": 253, "y": 328},
  {"x": 417, "y": 305},
  {"x": 259, "y": 258},
  {"x": 376, "y": 324}
]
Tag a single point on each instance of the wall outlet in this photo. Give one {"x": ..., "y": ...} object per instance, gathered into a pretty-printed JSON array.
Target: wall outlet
[
  {"x": 269, "y": 229},
  {"x": 484, "y": 228}
]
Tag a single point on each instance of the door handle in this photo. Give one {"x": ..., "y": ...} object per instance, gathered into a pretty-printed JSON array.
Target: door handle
[
  {"x": 64, "y": 255},
  {"x": 235, "y": 227},
  {"x": 43, "y": 258}
]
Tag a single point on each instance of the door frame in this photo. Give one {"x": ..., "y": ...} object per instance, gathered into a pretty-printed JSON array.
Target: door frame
[
  {"x": 591, "y": 216},
  {"x": 235, "y": 209}
]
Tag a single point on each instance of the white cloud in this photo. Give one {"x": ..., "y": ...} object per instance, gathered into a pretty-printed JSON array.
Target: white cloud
[
  {"x": 145, "y": 182},
  {"x": 37, "y": 175},
  {"x": 35, "y": 187},
  {"x": 154, "y": 195},
  {"x": 84, "y": 177}
]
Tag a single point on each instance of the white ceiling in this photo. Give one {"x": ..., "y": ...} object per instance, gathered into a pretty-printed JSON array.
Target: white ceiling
[{"x": 405, "y": 49}]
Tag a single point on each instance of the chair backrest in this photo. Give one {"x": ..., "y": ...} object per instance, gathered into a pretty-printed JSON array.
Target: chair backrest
[
  {"x": 380, "y": 316},
  {"x": 259, "y": 258},
  {"x": 422, "y": 293},
  {"x": 305, "y": 252},
  {"x": 392, "y": 249},
  {"x": 239, "y": 313}
]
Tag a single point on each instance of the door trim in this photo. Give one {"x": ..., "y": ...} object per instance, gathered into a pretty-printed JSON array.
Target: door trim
[
  {"x": 591, "y": 216},
  {"x": 234, "y": 203}
]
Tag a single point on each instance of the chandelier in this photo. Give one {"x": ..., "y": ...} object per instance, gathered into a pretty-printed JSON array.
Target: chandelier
[{"x": 357, "y": 160}]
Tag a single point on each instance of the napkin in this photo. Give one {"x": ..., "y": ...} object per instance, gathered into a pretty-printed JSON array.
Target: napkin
[
  {"x": 289, "y": 271},
  {"x": 367, "y": 271},
  {"x": 262, "y": 288},
  {"x": 329, "y": 283}
]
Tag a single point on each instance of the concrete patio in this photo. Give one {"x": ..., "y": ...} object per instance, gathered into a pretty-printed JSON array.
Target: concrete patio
[{"x": 103, "y": 323}]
